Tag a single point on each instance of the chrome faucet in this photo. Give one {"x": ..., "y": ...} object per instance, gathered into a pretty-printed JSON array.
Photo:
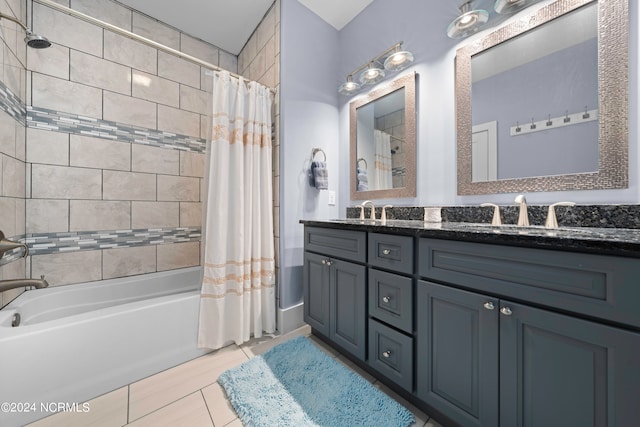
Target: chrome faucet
[
  {"x": 373, "y": 209},
  {"x": 496, "y": 213},
  {"x": 40, "y": 283},
  {"x": 552, "y": 221},
  {"x": 523, "y": 216}
]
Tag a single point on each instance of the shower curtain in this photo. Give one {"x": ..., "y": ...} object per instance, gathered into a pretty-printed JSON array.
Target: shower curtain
[
  {"x": 382, "y": 166},
  {"x": 237, "y": 299}
]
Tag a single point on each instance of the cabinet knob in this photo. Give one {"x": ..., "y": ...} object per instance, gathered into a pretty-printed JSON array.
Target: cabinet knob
[
  {"x": 329, "y": 262},
  {"x": 386, "y": 251},
  {"x": 324, "y": 262},
  {"x": 386, "y": 354},
  {"x": 386, "y": 299},
  {"x": 489, "y": 305},
  {"x": 506, "y": 311}
]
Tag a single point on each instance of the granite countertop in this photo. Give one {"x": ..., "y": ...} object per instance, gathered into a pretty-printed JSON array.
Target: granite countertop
[{"x": 605, "y": 241}]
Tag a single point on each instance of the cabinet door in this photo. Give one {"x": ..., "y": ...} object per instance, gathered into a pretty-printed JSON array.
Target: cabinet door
[
  {"x": 457, "y": 354},
  {"x": 348, "y": 302},
  {"x": 557, "y": 370},
  {"x": 316, "y": 292}
]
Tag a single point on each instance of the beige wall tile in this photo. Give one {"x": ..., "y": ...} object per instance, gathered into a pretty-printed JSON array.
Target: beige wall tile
[
  {"x": 63, "y": 29},
  {"x": 44, "y": 146},
  {"x": 90, "y": 152},
  {"x": 156, "y": 31},
  {"x": 21, "y": 213},
  {"x": 69, "y": 97},
  {"x": 154, "y": 160},
  {"x": 13, "y": 177},
  {"x": 190, "y": 214},
  {"x": 8, "y": 216},
  {"x": 178, "y": 255},
  {"x": 53, "y": 61},
  {"x": 155, "y": 214},
  {"x": 123, "y": 262},
  {"x": 128, "y": 110},
  {"x": 58, "y": 182},
  {"x": 128, "y": 185},
  {"x": 14, "y": 75},
  {"x": 86, "y": 215},
  {"x": 108, "y": 410},
  {"x": 266, "y": 28},
  {"x": 178, "y": 188},
  {"x": 178, "y": 69},
  {"x": 68, "y": 267},
  {"x": 7, "y": 133},
  {"x": 206, "y": 80},
  {"x": 129, "y": 52},
  {"x": 107, "y": 11},
  {"x": 47, "y": 215},
  {"x": 228, "y": 61},
  {"x": 195, "y": 100},
  {"x": 192, "y": 164},
  {"x": 178, "y": 121},
  {"x": 198, "y": 48},
  {"x": 94, "y": 71},
  {"x": 156, "y": 89}
]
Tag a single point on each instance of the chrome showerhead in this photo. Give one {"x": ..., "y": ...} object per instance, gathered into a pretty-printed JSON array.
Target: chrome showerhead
[{"x": 35, "y": 41}]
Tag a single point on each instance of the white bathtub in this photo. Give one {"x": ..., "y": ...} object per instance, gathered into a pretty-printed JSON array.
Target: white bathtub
[{"x": 77, "y": 342}]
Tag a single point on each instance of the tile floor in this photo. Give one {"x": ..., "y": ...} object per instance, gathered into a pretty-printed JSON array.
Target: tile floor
[{"x": 188, "y": 395}]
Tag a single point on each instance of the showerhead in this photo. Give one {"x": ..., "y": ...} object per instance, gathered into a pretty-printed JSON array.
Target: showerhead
[
  {"x": 32, "y": 40},
  {"x": 35, "y": 41}
]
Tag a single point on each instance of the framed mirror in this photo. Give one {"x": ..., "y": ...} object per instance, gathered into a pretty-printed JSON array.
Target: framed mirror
[
  {"x": 382, "y": 133},
  {"x": 541, "y": 104}
]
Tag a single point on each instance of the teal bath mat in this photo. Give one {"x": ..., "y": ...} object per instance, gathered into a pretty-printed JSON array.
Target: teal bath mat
[{"x": 297, "y": 384}]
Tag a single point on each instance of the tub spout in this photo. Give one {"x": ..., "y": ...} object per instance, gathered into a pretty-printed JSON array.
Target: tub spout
[{"x": 40, "y": 283}]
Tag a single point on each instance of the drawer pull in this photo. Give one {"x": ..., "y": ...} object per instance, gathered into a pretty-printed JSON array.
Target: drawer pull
[
  {"x": 386, "y": 299},
  {"x": 386, "y": 251},
  {"x": 324, "y": 262},
  {"x": 329, "y": 262},
  {"x": 489, "y": 305},
  {"x": 506, "y": 311},
  {"x": 386, "y": 354}
]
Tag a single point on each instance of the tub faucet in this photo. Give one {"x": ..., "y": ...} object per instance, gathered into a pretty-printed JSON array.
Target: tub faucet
[
  {"x": 373, "y": 209},
  {"x": 523, "y": 216},
  {"x": 40, "y": 283}
]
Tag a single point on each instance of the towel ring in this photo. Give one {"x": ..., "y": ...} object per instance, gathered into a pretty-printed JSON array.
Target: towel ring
[
  {"x": 361, "y": 159},
  {"x": 315, "y": 151}
]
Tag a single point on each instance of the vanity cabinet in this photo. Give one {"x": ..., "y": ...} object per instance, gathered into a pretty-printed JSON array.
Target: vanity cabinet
[
  {"x": 485, "y": 360},
  {"x": 335, "y": 287}
]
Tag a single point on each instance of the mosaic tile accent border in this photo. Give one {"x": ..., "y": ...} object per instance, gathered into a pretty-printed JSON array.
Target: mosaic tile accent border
[
  {"x": 11, "y": 104},
  {"x": 43, "y": 118},
  {"x": 50, "y": 243}
]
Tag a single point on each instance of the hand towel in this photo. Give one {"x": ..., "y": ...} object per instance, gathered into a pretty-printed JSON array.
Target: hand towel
[
  {"x": 320, "y": 174},
  {"x": 363, "y": 179}
]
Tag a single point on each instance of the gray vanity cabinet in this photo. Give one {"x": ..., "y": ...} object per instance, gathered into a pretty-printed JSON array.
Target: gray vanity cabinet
[
  {"x": 334, "y": 288},
  {"x": 487, "y": 361}
]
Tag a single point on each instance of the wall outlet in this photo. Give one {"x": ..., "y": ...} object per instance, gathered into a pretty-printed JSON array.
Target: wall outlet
[{"x": 332, "y": 198}]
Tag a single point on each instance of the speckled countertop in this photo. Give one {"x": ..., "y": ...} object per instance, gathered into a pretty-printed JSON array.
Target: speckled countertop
[{"x": 606, "y": 241}]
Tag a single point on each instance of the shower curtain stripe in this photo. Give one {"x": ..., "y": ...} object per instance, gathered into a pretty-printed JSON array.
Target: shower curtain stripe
[{"x": 237, "y": 300}]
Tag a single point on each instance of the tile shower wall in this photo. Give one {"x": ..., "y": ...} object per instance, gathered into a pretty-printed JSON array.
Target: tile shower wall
[
  {"x": 393, "y": 124},
  {"x": 12, "y": 136},
  {"x": 259, "y": 60},
  {"x": 115, "y": 144}
]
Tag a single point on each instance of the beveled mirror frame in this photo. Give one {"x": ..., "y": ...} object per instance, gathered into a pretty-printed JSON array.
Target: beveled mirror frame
[
  {"x": 408, "y": 82},
  {"x": 613, "y": 88}
]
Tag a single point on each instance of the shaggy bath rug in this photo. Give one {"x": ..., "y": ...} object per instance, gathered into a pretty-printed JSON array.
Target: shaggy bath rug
[{"x": 297, "y": 384}]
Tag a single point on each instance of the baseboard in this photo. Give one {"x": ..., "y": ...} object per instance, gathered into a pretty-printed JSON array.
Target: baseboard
[{"x": 290, "y": 318}]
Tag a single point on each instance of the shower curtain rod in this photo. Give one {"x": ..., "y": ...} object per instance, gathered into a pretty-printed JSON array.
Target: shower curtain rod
[{"x": 136, "y": 37}]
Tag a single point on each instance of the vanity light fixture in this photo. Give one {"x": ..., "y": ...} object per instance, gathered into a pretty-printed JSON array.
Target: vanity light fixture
[
  {"x": 510, "y": 6},
  {"x": 372, "y": 74},
  {"x": 469, "y": 21},
  {"x": 349, "y": 87},
  {"x": 394, "y": 59}
]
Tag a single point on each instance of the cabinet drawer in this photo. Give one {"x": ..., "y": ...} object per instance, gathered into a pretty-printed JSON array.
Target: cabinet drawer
[
  {"x": 390, "y": 299},
  {"x": 391, "y": 252},
  {"x": 391, "y": 354},
  {"x": 594, "y": 285},
  {"x": 346, "y": 244}
]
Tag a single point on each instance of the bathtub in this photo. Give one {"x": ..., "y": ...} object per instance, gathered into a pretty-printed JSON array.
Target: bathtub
[{"x": 77, "y": 342}]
